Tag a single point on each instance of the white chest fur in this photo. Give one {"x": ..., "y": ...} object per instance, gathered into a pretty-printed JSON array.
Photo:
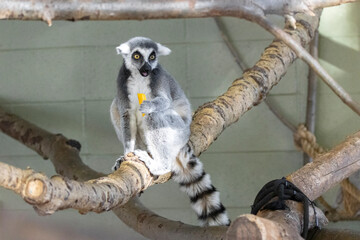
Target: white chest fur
[{"x": 137, "y": 85}]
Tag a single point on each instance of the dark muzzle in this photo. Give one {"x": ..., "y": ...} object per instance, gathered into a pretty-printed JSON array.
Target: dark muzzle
[{"x": 145, "y": 70}]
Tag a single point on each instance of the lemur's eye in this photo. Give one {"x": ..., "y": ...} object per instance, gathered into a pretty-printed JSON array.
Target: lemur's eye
[
  {"x": 152, "y": 56},
  {"x": 136, "y": 55}
]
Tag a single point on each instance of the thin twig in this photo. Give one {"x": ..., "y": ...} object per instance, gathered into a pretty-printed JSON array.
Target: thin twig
[
  {"x": 312, "y": 87},
  {"x": 313, "y": 63},
  {"x": 311, "y": 93},
  {"x": 230, "y": 46},
  {"x": 287, "y": 123}
]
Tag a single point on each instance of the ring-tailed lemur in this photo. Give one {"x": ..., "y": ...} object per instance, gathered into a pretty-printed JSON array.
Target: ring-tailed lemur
[{"x": 160, "y": 138}]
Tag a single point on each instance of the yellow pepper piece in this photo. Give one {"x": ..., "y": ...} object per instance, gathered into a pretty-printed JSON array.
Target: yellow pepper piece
[{"x": 141, "y": 98}]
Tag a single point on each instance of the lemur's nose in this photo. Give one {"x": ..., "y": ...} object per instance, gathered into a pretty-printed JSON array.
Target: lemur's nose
[{"x": 145, "y": 69}]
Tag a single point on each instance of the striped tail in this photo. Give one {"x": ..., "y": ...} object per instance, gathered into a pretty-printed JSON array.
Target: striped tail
[{"x": 205, "y": 199}]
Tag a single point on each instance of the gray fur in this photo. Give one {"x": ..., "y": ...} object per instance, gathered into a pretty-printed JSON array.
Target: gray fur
[
  {"x": 160, "y": 137},
  {"x": 165, "y": 127}
]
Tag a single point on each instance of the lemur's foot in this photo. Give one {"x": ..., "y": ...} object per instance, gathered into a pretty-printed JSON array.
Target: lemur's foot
[
  {"x": 156, "y": 168},
  {"x": 118, "y": 163}
]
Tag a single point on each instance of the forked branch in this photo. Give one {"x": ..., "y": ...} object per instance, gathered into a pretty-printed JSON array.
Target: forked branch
[{"x": 102, "y": 193}]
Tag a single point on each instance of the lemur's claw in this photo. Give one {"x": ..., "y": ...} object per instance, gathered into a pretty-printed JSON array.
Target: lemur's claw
[{"x": 118, "y": 163}]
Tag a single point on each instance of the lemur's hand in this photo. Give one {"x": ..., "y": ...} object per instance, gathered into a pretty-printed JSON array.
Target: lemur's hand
[{"x": 147, "y": 107}]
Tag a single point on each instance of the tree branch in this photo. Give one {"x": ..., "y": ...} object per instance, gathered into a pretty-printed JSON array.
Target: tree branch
[
  {"x": 274, "y": 225},
  {"x": 149, "y": 224},
  {"x": 329, "y": 168},
  {"x": 213, "y": 117},
  {"x": 313, "y": 180},
  {"x": 49, "y": 10},
  {"x": 312, "y": 87},
  {"x": 311, "y": 93},
  {"x": 101, "y": 194},
  {"x": 58, "y": 193},
  {"x": 312, "y": 62}
]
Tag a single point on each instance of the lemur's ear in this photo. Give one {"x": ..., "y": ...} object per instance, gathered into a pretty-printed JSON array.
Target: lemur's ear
[
  {"x": 123, "y": 49},
  {"x": 162, "y": 50}
]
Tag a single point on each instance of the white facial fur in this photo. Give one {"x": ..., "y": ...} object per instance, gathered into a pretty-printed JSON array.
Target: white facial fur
[
  {"x": 133, "y": 67},
  {"x": 125, "y": 50}
]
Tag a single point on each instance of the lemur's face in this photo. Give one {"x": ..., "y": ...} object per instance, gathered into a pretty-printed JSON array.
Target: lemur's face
[
  {"x": 144, "y": 60},
  {"x": 141, "y": 55}
]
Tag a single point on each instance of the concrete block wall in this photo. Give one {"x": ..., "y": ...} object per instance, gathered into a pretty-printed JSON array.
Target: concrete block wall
[{"x": 63, "y": 79}]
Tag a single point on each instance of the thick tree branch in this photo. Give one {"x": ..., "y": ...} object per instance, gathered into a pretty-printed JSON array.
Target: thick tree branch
[
  {"x": 313, "y": 180},
  {"x": 100, "y": 194},
  {"x": 49, "y": 10},
  {"x": 58, "y": 192},
  {"x": 274, "y": 225},
  {"x": 13, "y": 178},
  {"x": 328, "y": 169},
  {"x": 212, "y": 118}
]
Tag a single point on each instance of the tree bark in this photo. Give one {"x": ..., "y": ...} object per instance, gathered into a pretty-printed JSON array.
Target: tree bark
[
  {"x": 49, "y": 10},
  {"x": 330, "y": 168},
  {"x": 58, "y": 192},
  {"x": 274, "y": 225}
]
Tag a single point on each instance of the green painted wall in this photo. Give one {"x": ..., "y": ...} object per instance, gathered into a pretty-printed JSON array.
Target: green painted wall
[{"x": 63, "y": 79}]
